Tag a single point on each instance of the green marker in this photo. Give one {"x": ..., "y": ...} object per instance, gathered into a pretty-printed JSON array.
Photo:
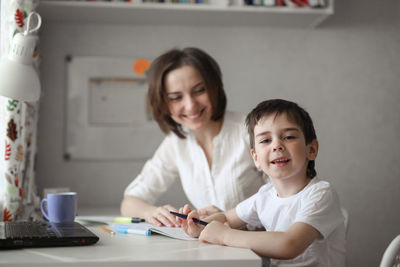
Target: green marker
[{"x": 128, "y": 220}]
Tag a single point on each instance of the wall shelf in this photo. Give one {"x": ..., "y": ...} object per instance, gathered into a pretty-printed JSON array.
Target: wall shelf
[{"x": 181, "y": 14}]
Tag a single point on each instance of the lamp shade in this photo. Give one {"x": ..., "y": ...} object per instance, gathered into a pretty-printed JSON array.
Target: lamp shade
[{"x": 18, "y": 79}]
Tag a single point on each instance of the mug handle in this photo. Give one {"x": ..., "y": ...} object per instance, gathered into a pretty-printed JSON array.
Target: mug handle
[{"x": 44, "y": 211}]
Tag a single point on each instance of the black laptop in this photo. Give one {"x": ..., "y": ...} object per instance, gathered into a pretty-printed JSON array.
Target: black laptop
[{"x": 23, "y": 234}]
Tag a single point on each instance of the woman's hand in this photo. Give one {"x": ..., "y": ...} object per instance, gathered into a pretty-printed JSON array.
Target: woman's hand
[
  {"x": 160, "y": 216},
  {"x": 188, "y": 225},
  {"x": 214, "y": 233},
  {"x": 207, "y": 211}
]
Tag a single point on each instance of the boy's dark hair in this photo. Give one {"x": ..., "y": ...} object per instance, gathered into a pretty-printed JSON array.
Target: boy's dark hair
[
  {"x": 294, "y": 112},
  {"x": 208, "y": 69}
]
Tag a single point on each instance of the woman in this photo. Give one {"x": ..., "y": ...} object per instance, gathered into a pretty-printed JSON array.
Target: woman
[{"x": 205, "y": 147}]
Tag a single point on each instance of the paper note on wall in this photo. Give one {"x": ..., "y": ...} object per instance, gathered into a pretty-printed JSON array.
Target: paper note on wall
[{"x": 107, "y": 116}]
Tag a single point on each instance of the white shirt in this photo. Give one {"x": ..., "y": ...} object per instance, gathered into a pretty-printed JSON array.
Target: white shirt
[
  {"x": 231, "y": 178},
  {"x": 317, "y": 205}
]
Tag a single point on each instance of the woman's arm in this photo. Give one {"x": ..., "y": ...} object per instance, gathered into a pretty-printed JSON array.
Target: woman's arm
[
  {"x": 155, "y": 178},
  {"x": 278, "y": 245},
  {"x": 136, "y": 207}
]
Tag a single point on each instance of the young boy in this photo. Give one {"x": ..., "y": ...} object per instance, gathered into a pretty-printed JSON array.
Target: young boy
[{"x": 300, "y": 213}]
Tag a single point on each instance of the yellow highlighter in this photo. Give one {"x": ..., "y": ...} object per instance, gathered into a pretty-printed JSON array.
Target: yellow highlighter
[{"x": 128, "y": 220}]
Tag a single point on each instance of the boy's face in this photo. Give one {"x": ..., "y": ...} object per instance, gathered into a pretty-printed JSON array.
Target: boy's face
[{"x": 280, "y": 148}]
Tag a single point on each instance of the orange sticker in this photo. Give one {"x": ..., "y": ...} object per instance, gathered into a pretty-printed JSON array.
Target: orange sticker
[{"x": 140, "y": 66}]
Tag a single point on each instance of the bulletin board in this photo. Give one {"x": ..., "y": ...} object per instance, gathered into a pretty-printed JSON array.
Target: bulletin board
[{"x": 107, "y": 116}]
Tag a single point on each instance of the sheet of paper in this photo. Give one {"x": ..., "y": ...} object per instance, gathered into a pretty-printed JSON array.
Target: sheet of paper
[
  {"x": 172, "y": 232},
  {"x": 94, "y": 220}
]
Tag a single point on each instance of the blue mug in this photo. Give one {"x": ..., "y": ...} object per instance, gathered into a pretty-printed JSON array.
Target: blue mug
[{"x": 61, "y": 207}]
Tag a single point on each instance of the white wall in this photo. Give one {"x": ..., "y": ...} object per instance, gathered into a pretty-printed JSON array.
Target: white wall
[{"x": 346, "y": 73}]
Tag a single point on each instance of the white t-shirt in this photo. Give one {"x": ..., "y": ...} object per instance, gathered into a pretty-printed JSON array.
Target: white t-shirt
[
  {"x": 317, "y": 205},
  {"x": 231, "y": 178}
]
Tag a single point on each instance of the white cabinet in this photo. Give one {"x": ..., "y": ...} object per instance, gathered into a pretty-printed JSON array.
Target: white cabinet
[{"x": 182, "y": 14}]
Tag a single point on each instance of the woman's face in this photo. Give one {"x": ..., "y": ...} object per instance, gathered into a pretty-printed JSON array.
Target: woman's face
[{"x": 188, "y": 100}]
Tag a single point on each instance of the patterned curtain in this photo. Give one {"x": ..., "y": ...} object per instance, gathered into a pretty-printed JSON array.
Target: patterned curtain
[{"x": 18, "y": 129}]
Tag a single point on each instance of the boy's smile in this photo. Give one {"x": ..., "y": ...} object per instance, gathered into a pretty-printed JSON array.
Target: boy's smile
[
  {"x": 280, "y": 162},
  {"x": 280, "y": 148}
]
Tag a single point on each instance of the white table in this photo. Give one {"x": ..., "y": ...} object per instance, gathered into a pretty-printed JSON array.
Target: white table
[{"x": 132, "y": 250}]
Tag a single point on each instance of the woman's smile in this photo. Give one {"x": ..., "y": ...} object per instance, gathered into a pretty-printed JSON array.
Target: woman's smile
[{"x": 189, "y": 103}]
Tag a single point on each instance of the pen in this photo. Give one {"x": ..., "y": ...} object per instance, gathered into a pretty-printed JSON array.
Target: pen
[
  {"x": 128, "y": 220},
  {"x": 133, "y": 231},
  {"x": 106, "y": 230},
  {"x": 183, "y": 216}
]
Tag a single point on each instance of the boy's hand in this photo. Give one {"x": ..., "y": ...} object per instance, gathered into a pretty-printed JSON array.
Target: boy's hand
[
  {"x": 207, "y": 211},
  {"x": 214, "y": 233},
  {"x": 189, "y": 226}
]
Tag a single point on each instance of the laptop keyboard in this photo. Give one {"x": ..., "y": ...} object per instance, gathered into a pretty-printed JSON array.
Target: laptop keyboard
[
  {"x": 28, "y": 229},
  {"x": 19, "y": 234}
]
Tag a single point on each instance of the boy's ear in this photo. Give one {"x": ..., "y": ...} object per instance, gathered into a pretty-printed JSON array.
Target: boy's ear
[
  {"x": 255, "y": 158},
  {"x": 312, "y": 150}
]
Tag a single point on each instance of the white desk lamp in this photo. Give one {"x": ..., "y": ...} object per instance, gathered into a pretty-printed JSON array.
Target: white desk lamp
[{"x": 18, "y": 78}]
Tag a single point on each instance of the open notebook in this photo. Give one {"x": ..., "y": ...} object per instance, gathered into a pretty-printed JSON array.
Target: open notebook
[{"x": 173, "y": 232}]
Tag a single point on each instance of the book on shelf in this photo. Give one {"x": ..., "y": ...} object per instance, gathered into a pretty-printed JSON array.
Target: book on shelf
[
  {"x": 297, "y": 3},
  {"x": 269, "y": 3},
  {"x": 288, "y": 3},
  {"x": 317, "y": 3}
]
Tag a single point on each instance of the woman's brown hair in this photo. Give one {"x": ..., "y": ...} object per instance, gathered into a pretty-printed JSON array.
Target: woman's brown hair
[{"x": 208, "y": 69}]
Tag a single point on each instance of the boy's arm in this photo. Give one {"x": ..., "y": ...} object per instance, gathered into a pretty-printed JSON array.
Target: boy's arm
[
  {"x": 233, "y": 220},
  {"x": 279, "y": 245}
]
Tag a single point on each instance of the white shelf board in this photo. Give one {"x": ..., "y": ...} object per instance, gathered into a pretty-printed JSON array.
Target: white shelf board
[{"x": 180, "y": 14}]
